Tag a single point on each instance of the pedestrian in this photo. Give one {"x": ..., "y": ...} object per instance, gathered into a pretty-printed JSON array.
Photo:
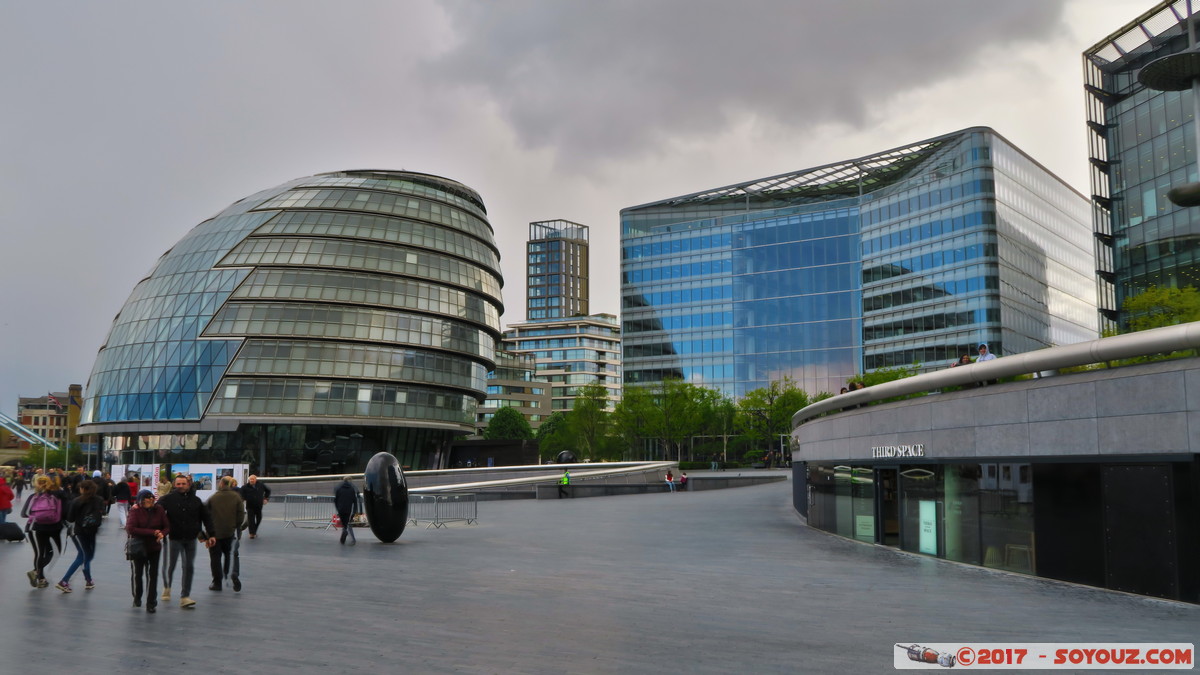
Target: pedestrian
[
  {"x": 345, "y": 502},
  {"x": 563, "y": 482},
  {"x": 228, "y": 512},
  {"x": 714, "y": 462},
  {"x": 188, "y": 518},
  {"x": 255, "y": 494},
  {"x": 19, "y": 484},
  {"x": 984, "y": 353},
  {"x": 124, "y": 494},
  {"x": 670, "y": 480},
  {"x": 6, "y": 500},
  {"x": 43, "y": 523},
  {"x": 84, "y": 515},
  {"x": 683, "y": 480},
  {"x": 147, "y": 526},
  {"x": 109, "y": 487}
]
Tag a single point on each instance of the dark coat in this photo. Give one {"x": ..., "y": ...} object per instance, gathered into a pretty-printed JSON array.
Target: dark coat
[
  {"x": 345, "y": 499},
  {"x": 188, "y": 515},
  {"x": 83, "y": 506},
  {"x": 143, "y": 523},
  {"x": 255, "y": 495}
]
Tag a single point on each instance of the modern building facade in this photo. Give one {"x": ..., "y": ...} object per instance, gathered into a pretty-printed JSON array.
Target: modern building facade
[
  {"x": 1091, "y": 477},
  {"x": 911, "y": 255},
  {"x": 571, "y": 353},
  {"x": 1142, "y": 143},
  {"x": 556, "y": 284},
  {"x": 307, "y": 327},
  {"x": 515, "y": 384}
]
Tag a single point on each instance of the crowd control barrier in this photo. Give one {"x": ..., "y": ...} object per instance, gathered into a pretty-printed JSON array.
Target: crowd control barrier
[{"x": 439, "y": 509}]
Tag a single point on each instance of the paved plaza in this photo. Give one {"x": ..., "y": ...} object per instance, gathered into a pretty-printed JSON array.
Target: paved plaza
[{"x": 718, "y": 581}]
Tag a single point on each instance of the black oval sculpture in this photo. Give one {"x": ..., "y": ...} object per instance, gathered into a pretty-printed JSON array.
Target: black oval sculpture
[{"x": 385, "y": 497}]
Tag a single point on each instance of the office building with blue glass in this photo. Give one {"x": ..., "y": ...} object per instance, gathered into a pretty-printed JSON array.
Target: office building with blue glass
[
  {"x": 911, "y": 255},
  {"x": 1142, "y": 143},
  {"x": 306, "y": 328}
]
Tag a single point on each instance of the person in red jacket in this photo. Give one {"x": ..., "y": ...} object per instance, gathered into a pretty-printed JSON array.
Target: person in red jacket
[
  {"x": 148, "y": 523},
  {"x": 6, "y": 500}
]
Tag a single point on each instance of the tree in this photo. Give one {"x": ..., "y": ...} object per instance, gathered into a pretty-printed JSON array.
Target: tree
[
  {"x": 765, "y": 414},
  {"x": 1157, "y": 306},
  {"x": 553, "y": 436},
  {"x": 588, "y": 420},
  {"x": 508, "y": 425}
]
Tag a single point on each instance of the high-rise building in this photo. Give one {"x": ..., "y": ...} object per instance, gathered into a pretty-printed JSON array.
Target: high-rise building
[
  {"x": 307, "y": 327},
  {"x": 571, "y": 353},
  {"x": 515, "y": 384},
  {"x": 556, "y": 283},
  {"x": 912, "y": 255},
  {"x": 1142, "y": 143}
]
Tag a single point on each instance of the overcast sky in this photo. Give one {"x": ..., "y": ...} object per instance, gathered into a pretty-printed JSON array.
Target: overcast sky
[{"x": 124, "y": 124}]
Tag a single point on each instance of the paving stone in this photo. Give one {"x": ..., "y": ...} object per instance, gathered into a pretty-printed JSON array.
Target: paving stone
[{"x": 708, "y": 582}]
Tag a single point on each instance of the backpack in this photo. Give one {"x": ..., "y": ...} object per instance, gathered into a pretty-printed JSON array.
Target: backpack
[
  {"x": 45, "y": 509},
  {"x": 89, "y": 517}
]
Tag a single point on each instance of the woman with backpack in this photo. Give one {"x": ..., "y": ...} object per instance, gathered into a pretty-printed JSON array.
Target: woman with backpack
[
  {"x": 43, "y": 521},
  {"x": 84, "y": 515}
]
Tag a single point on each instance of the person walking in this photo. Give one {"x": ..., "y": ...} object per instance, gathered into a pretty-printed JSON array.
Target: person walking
[
  {"x": 19, "y": 484},
  {"x": 228, "y": 512},
  {"x": 255, "y": 494},
  {"x": 84, "y": 515},
  {"x": 124, "y": 494},
  {"x": 563, "y": 482},
  {"x": 345, "y": 501},
  {"x": 43, "y": 523},
  {"x": 147, "y": 525},
  {"x": 188, "y": 517},
  {"x": 6, "y": 500}
]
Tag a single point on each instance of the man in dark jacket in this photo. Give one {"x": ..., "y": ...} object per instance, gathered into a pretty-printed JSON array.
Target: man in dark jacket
[
  {"x": 256, "y": 494},
  {"x": 228, "y": 512},
  {"x": 345, "y": 500},
  {"x": 188, "y": 517}
]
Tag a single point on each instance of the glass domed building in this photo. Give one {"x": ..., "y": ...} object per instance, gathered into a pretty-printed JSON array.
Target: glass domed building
[{"x": 306, "y": 328}]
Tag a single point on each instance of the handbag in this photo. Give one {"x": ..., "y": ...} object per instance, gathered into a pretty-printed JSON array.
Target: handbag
[{"x": 135, "y": 548}]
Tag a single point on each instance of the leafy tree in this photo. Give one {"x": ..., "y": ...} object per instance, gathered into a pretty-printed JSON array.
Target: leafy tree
[
  {"x": 764, "y": 414},
  {"x": 1158, "y": 306},
  {"x": 508, "y": 425},
  {"x": 54, "y": 458},
  {"x": 588, "y": 420},
  {"x": 553, "y": 436},
  {"x": 631, "y": 419}
]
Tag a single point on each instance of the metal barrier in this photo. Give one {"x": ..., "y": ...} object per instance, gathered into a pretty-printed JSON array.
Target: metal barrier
[
  {"x": 317, "y": 511},
  {"x": 443, "y": 508},
  {"x": 308, "y": 511}
]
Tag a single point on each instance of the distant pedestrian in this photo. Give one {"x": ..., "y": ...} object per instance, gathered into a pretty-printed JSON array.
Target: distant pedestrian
[
  {"x": 228, "y": 512},
  {"x": 563, "y": 482},
  {"x": 345, "y": 502},
  {"x": 147, "y": 526},
  {"x": 670, "y": 480},
  {"x": 19, "y": 484},
  {"x": 84, "y": 516},
  {"x": 6, "y": 500},
  {"x": 683, "y": 480},
  {"x": 43, "y": 513},
  {"x": 124, "y": 494},
  {"x": 256, "y": 495},
  {"x": 984, "y": 353}
]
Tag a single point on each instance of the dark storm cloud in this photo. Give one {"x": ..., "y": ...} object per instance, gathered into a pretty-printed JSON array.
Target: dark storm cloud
[{"x": 600, "y": 79}]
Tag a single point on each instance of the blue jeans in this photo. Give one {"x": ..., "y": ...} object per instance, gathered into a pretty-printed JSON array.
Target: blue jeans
[
  {"x": 4, "y": 515},
  {"x": 85, "y": 544}
]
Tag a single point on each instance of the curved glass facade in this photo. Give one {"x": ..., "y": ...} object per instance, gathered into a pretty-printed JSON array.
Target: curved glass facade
[
  {"x": 913, "y": 255},
  {"x": 335, "y": 316}
]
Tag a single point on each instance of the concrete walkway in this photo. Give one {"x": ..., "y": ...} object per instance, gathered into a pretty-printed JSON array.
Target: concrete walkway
[{"x": 708, "y": 582}]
